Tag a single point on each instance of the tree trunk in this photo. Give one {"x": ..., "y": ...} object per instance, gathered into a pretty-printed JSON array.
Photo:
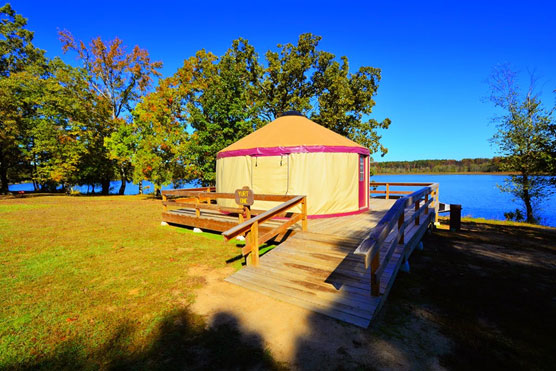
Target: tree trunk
[
  {"x": 157, "y": 188},
  {"x": 527, "y": 200},
  {"x": 105, "y": 186},
  {"x": 3, "y": 177},
  {"x": 140, "y": 187},
  {"x": 124, "y": 180}
]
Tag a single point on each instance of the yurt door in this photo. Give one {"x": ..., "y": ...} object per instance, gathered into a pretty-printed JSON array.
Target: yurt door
[{"x": 362, "y": 182}]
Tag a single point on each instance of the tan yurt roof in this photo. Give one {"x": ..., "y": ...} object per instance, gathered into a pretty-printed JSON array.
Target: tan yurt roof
[{"x": 289, "y": 133}]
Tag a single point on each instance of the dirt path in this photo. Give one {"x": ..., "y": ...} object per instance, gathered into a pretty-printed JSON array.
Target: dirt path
[
  {"x": 455, "y": 309},
  {"x": 306, "y": 340}
]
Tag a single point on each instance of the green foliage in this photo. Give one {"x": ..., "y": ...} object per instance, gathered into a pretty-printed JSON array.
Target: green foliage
[
  {"x": 224, "y": 106},
  {"x": 225, "y": 98},
  {"x": 88, "y": 125},
  {"x": 302, "y": 78},
  {"x": 19, "y": 60},
  {"x": 161, "y": 136},
  {"x": 525, "y": 137}
]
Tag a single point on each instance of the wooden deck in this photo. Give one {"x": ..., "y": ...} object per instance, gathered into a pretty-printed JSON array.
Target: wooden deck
[
  {"x": 343, "y": 267},
  {"x": 319, "y": 271}
]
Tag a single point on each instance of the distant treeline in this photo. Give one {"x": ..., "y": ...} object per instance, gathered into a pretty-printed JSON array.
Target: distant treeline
[{"x": 467, "y": 165}]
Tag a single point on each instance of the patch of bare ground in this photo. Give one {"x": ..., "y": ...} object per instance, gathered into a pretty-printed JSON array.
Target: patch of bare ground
[{"x": 481, "y": 298}]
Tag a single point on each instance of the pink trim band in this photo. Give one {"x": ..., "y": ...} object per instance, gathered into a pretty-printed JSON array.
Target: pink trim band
[{"x": 277, "y": 151}]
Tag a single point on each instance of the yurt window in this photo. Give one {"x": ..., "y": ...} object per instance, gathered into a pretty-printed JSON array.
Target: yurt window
[{"x": 270, "y": 174}]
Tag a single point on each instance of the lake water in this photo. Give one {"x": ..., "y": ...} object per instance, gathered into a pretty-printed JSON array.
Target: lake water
[
  {"x": 477, "y": 194},
  {"x": 130, "y": 188}
]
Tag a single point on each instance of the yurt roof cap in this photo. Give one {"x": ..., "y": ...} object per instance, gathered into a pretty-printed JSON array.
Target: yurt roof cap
[{"x": 292, "y": 132}]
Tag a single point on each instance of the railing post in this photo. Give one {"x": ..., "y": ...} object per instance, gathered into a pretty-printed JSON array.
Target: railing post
[
  {"x": 426, "y": 200},
  {"x": 247, "y": 210},
  {"x": 197, "y": 209},
  {"x": 254, "y": 244},
  {"x": 375, "y": 281},
  {"x": 436, "y": 206},
  {"x": 400, "y": 223},
  {"x": 304, "y": 213},
  {"x": 417, "y": 211},
  {"x": 387, "y": 191},
  {"x": 164, "y": 206}
]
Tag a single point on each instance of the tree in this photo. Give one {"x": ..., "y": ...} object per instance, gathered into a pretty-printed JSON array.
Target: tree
[
  {"x": 161, "y": 137},
  {"x": 302, "y": 78},
  {"x": 224, "y": 105},
  {"x": 61, "y": 137},
  {"x": 230, "y": 96},
  {"x": 119, "y": 78},
  {"x": 525, "y": 138},
  {"x": 19, "y": 58}
]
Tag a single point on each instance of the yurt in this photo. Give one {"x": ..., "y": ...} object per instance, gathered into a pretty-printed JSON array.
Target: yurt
[{"x": 293, "y": 155}]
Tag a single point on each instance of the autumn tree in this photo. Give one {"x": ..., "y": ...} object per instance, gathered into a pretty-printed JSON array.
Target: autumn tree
[
  {"x": 525, "y": 137},
  {"x": 119, "y": 79},
  {"x": 19, "y": 60}
]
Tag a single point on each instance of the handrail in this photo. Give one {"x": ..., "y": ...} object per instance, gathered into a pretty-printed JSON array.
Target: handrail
[
  {"x": 261, "y": 218},
  {"x": 200, "y": 199},
  {"x": 215, "y": 195},
  {"x": 370, "y": 246},
  {"x": 251, "y": 226}
]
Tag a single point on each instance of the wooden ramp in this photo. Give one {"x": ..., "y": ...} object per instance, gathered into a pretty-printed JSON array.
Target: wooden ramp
[{"x": 319, "y": 271}]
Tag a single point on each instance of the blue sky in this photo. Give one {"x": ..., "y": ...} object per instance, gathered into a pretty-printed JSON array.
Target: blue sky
[{"x": 435, "y": 56}]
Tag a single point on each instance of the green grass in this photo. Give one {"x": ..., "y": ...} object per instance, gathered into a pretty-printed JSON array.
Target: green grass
[{"x": 97, "y": 281}]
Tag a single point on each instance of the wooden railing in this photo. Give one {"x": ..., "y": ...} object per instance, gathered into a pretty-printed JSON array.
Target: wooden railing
[
  {"x": 249, "y": 220},
  {"x": 202, "y": 199},
  {"x": 251, "y": 226},
  {"x": 387, "y": 192},
  {"x": 421, "y": 201}
]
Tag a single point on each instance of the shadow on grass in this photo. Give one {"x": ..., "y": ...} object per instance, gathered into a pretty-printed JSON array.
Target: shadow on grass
[{"x": 180, "y": 341}]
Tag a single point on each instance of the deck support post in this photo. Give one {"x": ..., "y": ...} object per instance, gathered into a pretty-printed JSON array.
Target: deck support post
[
  {"x": 387, "y": 191},
  {"x": 426, "y": 200},
  {"x": 405, "y": 266},
  {"x": 400, "y": 223},
  {"x": 164, "y": 206},
  {"x": 304, "y": 214},
  {"x": 375, "y": 281},
  {"x": 254, "y": 241},
  {"x": 417, "y": 211},
  {"x": 197, "y": 209}
]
